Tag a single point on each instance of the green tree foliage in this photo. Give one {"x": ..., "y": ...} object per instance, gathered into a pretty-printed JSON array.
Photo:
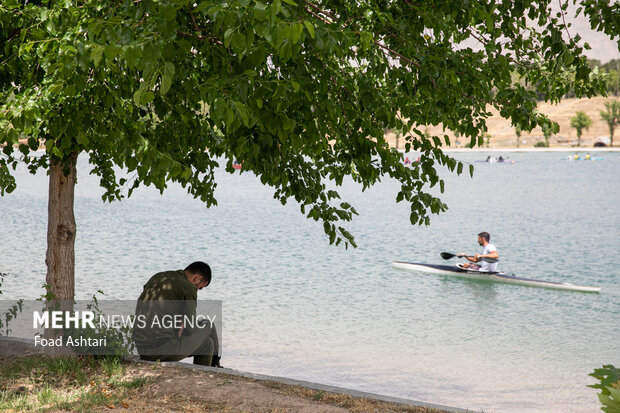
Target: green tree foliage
[
  {"x": 611, "y": 70},
  {"x": 301, "y": 91},
  {"x": 10, "y": 313},
  {"x": 613, "y": 82},
  {"x": 580, "y": 122},
  {"x": 548, "y": 131},
  {"x": 611, "y": 115},
  {"x": 613, "y": 64},
  {"x": 609, "y": 383}
]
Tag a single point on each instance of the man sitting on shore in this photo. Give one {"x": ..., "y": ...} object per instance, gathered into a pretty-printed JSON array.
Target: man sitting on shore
[{"x": 166, "y": 304}]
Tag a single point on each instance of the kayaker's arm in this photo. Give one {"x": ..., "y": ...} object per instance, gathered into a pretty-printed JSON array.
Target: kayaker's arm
[
  {"x": 492, "y": 254},
  {"x": 472, "y": 259}
]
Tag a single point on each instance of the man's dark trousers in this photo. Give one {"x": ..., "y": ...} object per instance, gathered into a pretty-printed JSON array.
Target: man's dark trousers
[{"x": 202, "y": 344}]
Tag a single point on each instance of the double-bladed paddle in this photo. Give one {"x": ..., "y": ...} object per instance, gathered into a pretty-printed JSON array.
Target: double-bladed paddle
[{"x": 448, "y": 255}]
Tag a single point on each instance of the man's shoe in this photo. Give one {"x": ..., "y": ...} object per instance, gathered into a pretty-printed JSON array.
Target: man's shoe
[{"x": 216, "y": 362}]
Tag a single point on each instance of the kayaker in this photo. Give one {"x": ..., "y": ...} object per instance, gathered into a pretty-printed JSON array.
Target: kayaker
[
  {"x": 488, "y": 251},
  {"x": 172, "y": 295}
]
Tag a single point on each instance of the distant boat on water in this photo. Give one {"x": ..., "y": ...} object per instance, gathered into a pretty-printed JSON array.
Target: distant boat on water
[
  {"x": 586, "y": 157},
  {"x": 501, "y": 159}
]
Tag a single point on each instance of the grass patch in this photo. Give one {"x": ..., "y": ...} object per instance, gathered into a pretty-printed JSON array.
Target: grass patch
[
  {"x": 135, "y": 383},
  {"x": 13, "y": 402},
  {"x": 318, "y": 395},
  {"x": 111, "y": 366},
  {"x": 47, "y": 396},
  {"x": 65, "y": 383}
]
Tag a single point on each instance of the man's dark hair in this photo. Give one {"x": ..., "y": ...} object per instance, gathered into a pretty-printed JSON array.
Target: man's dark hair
[
  {"x": 200, "y": 268},
  {"x": 485, "y": 235}
]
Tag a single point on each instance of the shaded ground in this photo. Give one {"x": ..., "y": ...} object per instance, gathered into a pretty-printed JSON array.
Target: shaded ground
[{"x": 41, "y": 383}]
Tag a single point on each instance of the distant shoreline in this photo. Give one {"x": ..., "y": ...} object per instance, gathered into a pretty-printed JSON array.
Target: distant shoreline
[
  {"x": 553, "y": 149},
  {"x": 515, "y": 149},
  {"x": 500, "y": 133}
]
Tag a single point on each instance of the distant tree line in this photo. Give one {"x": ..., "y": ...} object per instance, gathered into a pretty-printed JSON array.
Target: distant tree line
[
  {"x": 612, "y": 71},
  {"x": 612, "y": 68}
]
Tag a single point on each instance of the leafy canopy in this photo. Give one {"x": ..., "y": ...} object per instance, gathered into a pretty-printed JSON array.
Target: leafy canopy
[{"x": 301, "y": 91}]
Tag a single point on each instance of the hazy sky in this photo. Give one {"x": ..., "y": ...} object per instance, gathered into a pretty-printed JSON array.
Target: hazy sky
[{"x": 603, "y": 48}]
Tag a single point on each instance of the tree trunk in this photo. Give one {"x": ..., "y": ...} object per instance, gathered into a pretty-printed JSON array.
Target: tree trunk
[{"x": 60, "y": 257}]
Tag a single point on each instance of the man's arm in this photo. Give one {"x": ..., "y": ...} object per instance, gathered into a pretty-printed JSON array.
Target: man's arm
[
  {"x": 492, "y": 254},
  {"x": 189, "y": 310},
  {"x": 469, "y": 258}
]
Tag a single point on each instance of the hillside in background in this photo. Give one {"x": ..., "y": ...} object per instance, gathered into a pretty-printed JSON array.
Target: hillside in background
[{"x": 502, "y": 133}]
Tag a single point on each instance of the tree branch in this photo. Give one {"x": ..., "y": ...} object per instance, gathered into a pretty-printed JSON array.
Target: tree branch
[{"x": 564, "y": 20}]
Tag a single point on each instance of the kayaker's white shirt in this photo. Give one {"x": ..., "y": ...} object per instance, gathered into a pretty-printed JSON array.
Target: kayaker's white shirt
[{"x": 488, "y": 266}]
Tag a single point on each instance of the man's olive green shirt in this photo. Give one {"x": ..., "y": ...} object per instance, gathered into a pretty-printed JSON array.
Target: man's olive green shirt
[{"x": 165, "y": 295}]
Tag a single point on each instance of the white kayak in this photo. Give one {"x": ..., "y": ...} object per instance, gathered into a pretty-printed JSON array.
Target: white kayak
[{"x": 501, "y": 277}]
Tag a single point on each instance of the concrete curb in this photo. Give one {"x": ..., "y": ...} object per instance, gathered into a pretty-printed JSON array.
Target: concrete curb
[{"x": 25, "y": 346}]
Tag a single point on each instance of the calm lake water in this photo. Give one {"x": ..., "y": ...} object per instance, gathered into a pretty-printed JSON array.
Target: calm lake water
[{"x": 295, "y": 306}]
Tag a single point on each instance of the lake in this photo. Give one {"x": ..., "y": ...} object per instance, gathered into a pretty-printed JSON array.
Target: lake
[{"x": 297, "y": 307}]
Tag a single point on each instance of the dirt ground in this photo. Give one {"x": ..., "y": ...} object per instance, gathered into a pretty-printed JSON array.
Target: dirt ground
[{"x": 178, "y": 389}]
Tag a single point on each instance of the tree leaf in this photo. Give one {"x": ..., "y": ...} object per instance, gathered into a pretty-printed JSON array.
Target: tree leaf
[
  {"x": 309, "y": 27},
  {"x": 202, "y": 6},
  {"x": 166, "y": 78},
  {"x": 146, "y": 97},
  {"x": 228, "y": 36},
  {"x": 137, "y": 96},
  {"x": 243, "y": 113},
  {"x": 132, "y": 55},
  {"x": 96, "y": 54}
]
